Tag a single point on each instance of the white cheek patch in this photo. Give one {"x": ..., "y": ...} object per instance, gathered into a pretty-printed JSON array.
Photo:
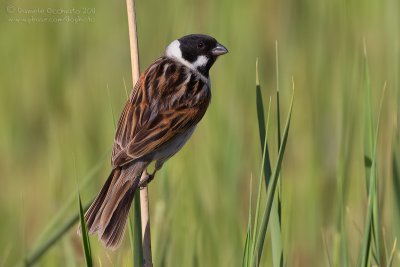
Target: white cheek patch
[
  {"x": 173, "y": 50},
  {"x": 201, "y": 61}
]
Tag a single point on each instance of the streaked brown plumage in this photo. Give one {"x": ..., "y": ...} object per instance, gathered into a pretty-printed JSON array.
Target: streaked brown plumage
[
  {"x": 159, "y": 108},
  {"x": 162, "y": 111}
]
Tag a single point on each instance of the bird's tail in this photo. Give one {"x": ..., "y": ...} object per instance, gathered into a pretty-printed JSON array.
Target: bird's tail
[{"x": 108, "y": 213}]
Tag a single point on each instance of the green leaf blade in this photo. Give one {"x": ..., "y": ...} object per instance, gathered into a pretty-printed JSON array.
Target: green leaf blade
[
  {"x": 85, "y": 236},
  {"x": 271, "y": 190}
]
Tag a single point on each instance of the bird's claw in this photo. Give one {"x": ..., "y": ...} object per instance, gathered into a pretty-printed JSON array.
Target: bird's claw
[{"x": 145, "y": 181}]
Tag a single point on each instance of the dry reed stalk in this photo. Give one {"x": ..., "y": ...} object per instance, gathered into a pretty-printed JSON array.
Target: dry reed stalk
[{"x": 144, "y": 196}]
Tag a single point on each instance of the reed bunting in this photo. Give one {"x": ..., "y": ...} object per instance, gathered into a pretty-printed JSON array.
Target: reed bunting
[{"x": 163, "y": 110}]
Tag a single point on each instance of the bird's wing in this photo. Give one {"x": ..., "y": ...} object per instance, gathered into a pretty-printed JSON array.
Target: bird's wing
[{"x": 167, "y": 100}]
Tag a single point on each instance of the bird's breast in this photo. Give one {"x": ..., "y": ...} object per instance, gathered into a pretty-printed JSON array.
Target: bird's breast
[{"x": 172, "y": 147}]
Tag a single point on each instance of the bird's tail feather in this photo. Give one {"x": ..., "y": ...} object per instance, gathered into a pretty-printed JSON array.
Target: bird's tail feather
[
  {"x": 97, "y": 205},
  {"x": 108, "y": 213}
]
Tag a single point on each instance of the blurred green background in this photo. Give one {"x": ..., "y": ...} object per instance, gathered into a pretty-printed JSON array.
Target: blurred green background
[{"x": 61, "y": 82}]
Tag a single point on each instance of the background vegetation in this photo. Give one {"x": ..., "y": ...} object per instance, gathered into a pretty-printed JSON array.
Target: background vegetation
[{"x": 61, "y": 83}]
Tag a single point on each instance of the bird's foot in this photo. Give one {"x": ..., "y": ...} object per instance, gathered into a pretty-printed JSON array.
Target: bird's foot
[{"x": 146, "y": 180}]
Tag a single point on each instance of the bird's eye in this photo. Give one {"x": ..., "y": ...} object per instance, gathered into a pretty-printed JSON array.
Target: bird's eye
[{"x": 200, "y": 45}]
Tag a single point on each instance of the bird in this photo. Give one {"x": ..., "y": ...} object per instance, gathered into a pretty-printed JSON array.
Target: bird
[{"x": 168, "y": 101}]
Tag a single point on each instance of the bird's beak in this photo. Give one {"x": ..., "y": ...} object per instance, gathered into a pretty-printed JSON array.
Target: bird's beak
[{"x": 219, "y": 50}]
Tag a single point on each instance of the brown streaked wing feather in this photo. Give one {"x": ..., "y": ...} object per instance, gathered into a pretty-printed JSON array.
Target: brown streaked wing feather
[
  {"x": 159, "y": 108},
  {"x": 126, "y": 120}
]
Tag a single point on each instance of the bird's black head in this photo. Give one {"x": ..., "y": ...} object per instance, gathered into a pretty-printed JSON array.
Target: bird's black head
[{"x": 199, "y": 51}]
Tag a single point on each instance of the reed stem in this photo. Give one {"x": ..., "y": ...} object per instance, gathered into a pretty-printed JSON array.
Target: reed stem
[{"x": 144, "y": 194}]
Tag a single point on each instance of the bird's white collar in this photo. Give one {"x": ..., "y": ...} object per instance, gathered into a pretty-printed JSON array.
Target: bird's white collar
[{"x": 174, "y": 51}]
